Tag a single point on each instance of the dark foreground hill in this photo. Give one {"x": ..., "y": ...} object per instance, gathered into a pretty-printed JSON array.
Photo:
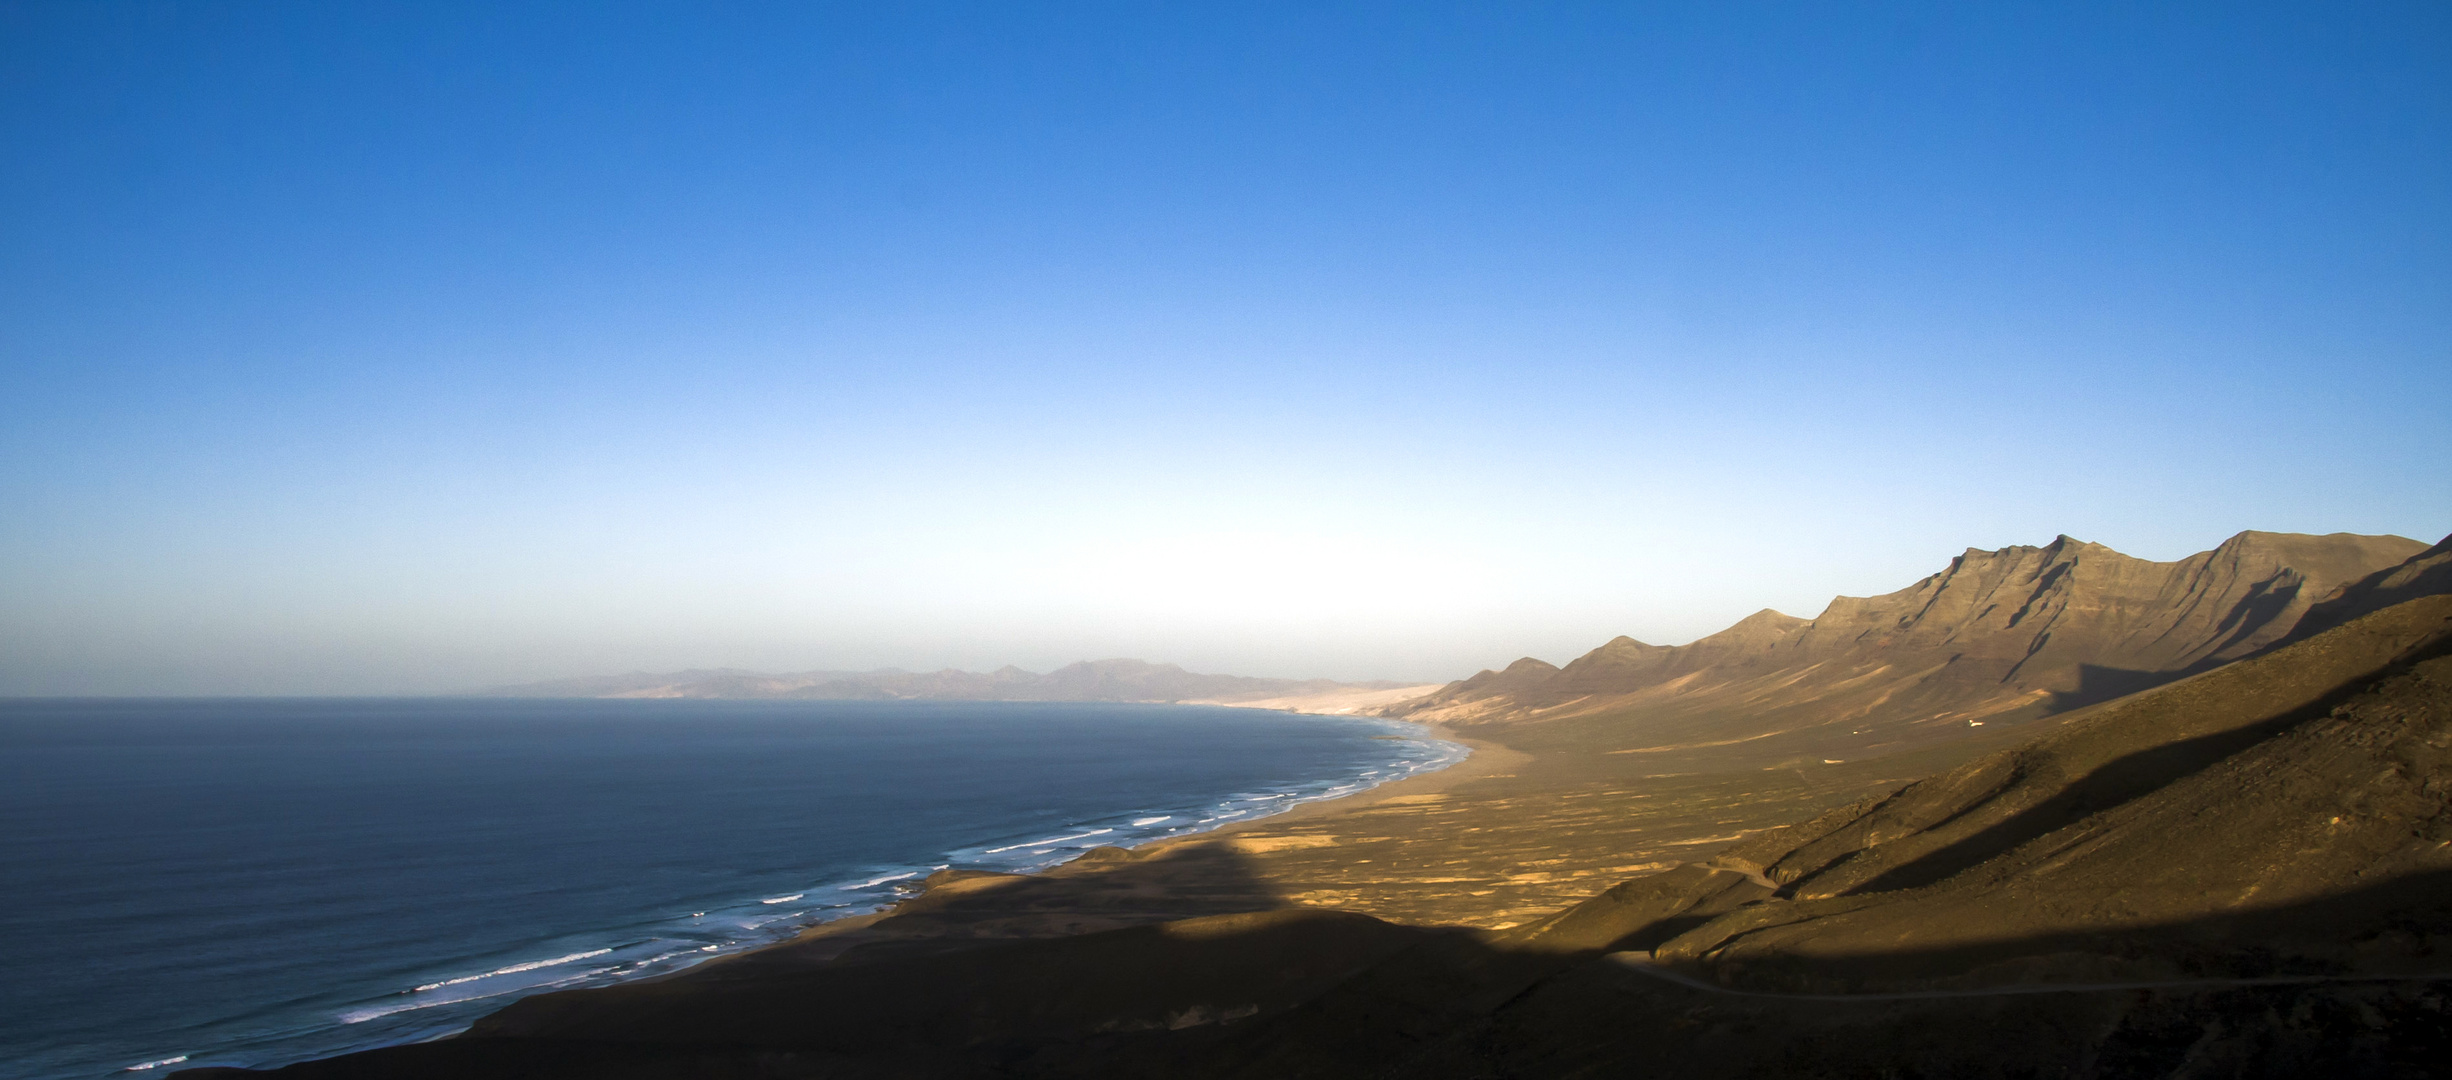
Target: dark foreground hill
[{"x": 2245, "y": 872}]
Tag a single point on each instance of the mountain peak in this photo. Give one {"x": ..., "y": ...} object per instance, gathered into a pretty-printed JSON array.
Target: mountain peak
[
  {"x": 1769, "y": 617},
  {"x": 1118, "y": 666}
]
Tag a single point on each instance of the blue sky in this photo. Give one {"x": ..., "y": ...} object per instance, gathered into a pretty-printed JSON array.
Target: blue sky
[{"x": 409, "y": 347}]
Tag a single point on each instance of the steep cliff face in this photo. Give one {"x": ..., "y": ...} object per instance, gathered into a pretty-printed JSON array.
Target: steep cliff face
[{"x": 2017, "y": 632}]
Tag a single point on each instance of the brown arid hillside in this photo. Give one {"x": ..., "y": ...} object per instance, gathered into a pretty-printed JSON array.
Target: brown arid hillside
[
  {"x": 1998, "y": 637},
  {"x": 2316, "y": 771},
  {"x": 2427, "y": 573}
]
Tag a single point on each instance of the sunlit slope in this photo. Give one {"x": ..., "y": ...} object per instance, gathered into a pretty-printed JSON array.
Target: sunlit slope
[
  {"x": 1997, "y": 637},
  {"x": 2288, "y": 812}
]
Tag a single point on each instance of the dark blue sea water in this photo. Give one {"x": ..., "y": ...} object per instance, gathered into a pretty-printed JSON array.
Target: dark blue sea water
[{"x": 188, "y": 883}]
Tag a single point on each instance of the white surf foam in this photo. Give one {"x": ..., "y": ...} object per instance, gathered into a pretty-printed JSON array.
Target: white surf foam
[
  {"x": 155, "y": 1064},
  {"x": 662, "y": 957},
  {"x": 360, "y": 1016},
  {"x": 514, "y": 969},
  {"x": 1043, "y": 843},
  {"x": 1247, "y": 804}
]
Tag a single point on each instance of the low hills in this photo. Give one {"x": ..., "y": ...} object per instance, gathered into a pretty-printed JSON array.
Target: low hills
[{"x": 1089, "y": 680}]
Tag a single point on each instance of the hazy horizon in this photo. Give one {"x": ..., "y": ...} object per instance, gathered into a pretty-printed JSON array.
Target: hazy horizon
[{"x": 416, "y": 348}]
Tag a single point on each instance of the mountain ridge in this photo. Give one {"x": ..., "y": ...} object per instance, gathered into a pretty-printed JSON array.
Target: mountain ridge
[{"x": 1996, "y": 636}]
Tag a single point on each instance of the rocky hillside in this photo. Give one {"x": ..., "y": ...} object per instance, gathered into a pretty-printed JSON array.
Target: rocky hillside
[{"x": 1998, "y": 636}]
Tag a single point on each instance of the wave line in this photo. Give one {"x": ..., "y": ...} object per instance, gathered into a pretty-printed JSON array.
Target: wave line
[
  {"x": 513, "y": 970},
  {"x": 1037, "y": 843}
]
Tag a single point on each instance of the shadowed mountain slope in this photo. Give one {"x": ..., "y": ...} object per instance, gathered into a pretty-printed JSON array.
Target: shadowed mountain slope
[
  {"x": 2427, "y": 573},
  {"x": 1998, "y": 636}
]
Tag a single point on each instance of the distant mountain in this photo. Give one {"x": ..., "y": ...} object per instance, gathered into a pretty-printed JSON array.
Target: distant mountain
[
  {"x": 1089, "y": 680},
  {"x": 1998, "y": 636},
  {"x": 707, "y": 682}
]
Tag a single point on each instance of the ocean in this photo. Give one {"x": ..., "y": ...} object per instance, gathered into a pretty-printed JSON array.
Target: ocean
[{"x": 256, "y": 882}]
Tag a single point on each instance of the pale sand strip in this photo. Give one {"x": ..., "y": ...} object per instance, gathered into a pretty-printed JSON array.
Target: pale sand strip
[{"x": 1346, "y": 702}]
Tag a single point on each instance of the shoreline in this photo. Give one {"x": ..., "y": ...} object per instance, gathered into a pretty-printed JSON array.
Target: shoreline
[
  {"x": 1480, "y": 759},
  {"x": 1444, "y": 761},
  {"x": 823, "y": 941}
]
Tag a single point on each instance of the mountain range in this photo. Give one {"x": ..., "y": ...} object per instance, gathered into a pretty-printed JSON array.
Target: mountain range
[
  {"x": 1089, "y": 680},
  {"x": 1996, "y": 637}
]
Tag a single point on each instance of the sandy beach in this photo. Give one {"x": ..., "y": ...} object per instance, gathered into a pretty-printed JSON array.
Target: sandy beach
[{"x": 1500, "y": 839}]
